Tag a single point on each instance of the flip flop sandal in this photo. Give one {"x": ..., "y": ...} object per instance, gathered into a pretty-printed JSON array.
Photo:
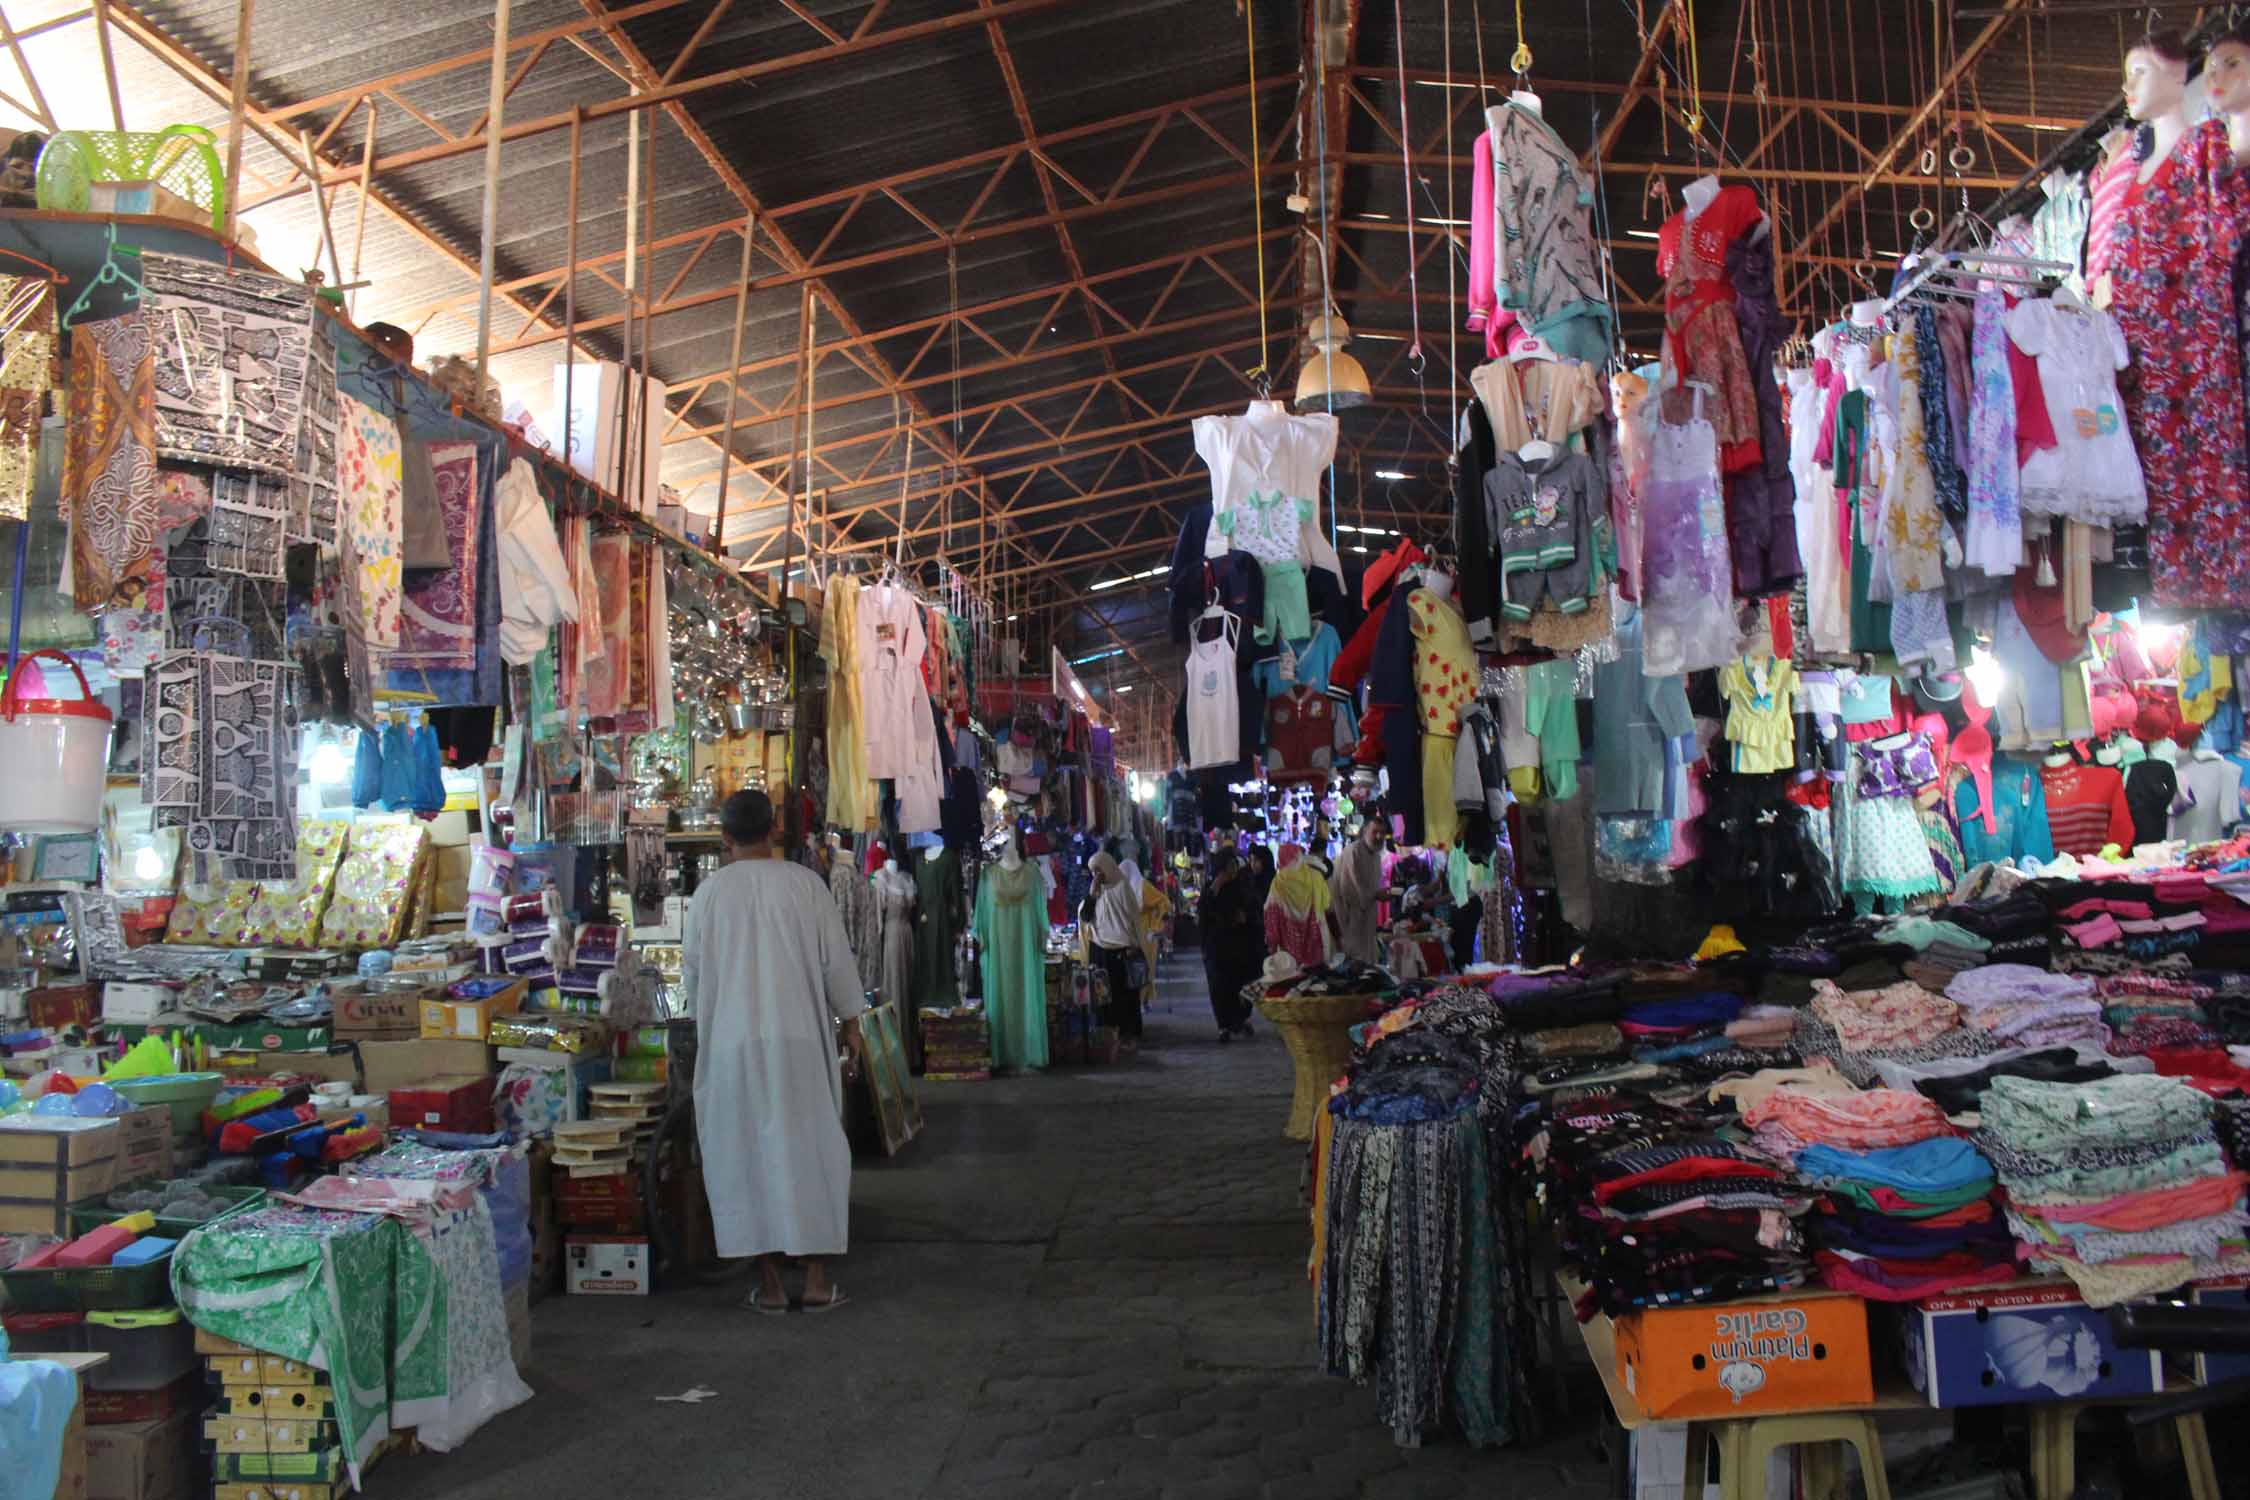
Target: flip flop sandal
[
  {"x": 758, "y": 1304},
  {"x": 835, "y": 1299}
]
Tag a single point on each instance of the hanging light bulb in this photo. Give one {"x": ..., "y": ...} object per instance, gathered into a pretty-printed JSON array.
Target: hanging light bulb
[
  {"x": 147, "y": 863},
  {"x": 1329, "y": 379}
]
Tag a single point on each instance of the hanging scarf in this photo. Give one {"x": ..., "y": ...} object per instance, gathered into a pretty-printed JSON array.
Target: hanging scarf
[
  {"x": 1301, "y": 891},
  {"x": 109, "y": 462}
]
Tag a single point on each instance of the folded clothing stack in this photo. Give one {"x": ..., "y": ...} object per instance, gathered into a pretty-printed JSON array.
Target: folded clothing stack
[
  {"x": 1656, "y": 1209},
  {"x": 2119, "y": 1182},
  {"x": 1662, "y": 1031},
  {"x": 2151, "y": 1013},
  {"x": 1858, "y": 1029},
  {"x": 1907, "y": 1207},
  {"x": 2020, "y": 1006}
]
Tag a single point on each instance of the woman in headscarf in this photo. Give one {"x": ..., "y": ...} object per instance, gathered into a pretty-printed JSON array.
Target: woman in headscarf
[
  {"x": 1357, "y": 887},
  {"x": 1116, "y": 939},
  {"x": 1233, "y": 945},
  {"x": 1156, "y": 910},
  {"x": 1296, "y": 910}
]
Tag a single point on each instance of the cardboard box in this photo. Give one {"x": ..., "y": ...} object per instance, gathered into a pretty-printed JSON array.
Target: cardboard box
[
  {"x": 2032, "y": 1341},
  {"x": 59, "y": 1006},
  {"x": 107, "y": 1408},
  {"x": 462, "y": 1105},
  {"x": 1793, "y": 1351},
  {"x": 142, "y": 1460},
  {"x": 394, "y": 1065},
  {"x": 601, "y": 1265},
  {"x": 144, "y": 1143},
  {"x": 49, "y": 1162},
  {"x": 390, "y": 1015},
  {"x": 449, "y": 830},
  {"x": 310, "y": 1402},
  {"x": 334, "y": 1067},
  {"x": 446, "y": 1018},
  {"x": 266, "y": 1038},
  {"x": 137, "y": 1004},
  {"x": 70, "y": 1483},
  {"x": 228, "y": 1434}
]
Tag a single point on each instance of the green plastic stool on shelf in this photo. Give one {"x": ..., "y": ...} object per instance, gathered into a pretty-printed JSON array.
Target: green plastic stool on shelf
[{"x": 179, "y": 158}]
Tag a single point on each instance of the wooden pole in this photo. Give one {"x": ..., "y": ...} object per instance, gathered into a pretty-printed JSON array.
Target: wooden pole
[
  {"x": 237, "y": 102},
  {"x": 366, "y": 191},
  {"x": 492, "y": 136},
  {"x": 734, "y": 389},
  {"x": 570, "y": 285},
  {"x": 320, "y": 201},
  {"x": 632, "y": 261},
  {"x": 643, "y": 501},
  {"x": 109, "y": 63}
]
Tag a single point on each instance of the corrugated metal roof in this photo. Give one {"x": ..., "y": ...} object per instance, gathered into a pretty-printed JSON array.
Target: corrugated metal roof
[{"x": 897, "y": 116}]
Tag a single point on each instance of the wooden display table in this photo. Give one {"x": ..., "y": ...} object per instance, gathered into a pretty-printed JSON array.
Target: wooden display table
[{"x": 1317, "y": 1031}]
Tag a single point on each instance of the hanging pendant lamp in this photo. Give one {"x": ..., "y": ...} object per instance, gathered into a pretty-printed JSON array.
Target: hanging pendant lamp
[{"x": 1329, "y": 379}]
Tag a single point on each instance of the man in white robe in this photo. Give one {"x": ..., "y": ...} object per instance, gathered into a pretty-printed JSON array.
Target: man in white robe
[{"x": 767, "y": 972}]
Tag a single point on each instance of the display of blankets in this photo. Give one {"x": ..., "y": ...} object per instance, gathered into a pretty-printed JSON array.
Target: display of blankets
[
  {"x": 27, "y": 365},
  {"x": 288, "y": 913},
  {"x": 438, "y": 614},
  {"x": 312, "y": 477},
  {"x": 249, "y": 522},
  {"x": 221, "y": 762},
  {"x": 233, "y": 350},
  {"x": 368, "y": 494},
  {"x": 2117, "y": 1183},
  {"x": 372, "y": 905},
  {"x": 312, "y": 1285},
  {"x": 608, "y": 676},
  {"x": 109, "y": 483}
]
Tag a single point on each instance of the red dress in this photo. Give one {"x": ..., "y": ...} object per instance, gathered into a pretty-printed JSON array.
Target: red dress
[
  {"x": 2172, "y": 292},
  {"x": 1701, "y": 338}
]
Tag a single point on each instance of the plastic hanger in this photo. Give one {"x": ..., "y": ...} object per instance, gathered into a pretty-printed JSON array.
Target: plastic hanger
[{"x": 110, "y": 273}]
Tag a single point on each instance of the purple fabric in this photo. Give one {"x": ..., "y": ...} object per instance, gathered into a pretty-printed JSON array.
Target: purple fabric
[
  {"x": 1998, "y": 983},
  {"x": 1896, "y": 772},
  {"x": 1761, "y": 501},
  {"x": 438, "y": 622}
]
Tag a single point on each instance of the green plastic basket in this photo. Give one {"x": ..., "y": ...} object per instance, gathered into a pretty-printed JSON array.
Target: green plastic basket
[
  {"x": 94, "y": 1213},
  {"x": 91, "y": 1288},
  {"x": 188, "y": 1094},
  {"x": 179, "y": 157}
]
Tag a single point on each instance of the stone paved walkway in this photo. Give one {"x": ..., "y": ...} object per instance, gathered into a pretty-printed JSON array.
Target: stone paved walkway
[{"x": 1082, "y": 1286}]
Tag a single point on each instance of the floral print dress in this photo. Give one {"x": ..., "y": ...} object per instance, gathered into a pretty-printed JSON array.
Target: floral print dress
[{"x": 2172, "y": 274}]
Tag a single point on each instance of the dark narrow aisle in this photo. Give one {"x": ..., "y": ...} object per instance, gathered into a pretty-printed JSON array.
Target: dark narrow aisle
[{"x": 1082, "y": 1286}]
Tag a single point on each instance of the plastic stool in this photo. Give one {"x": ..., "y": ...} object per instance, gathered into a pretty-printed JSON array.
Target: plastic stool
[
  {"x": 1745, "y": 1443},
  {"x": 2054, "y": 1452}
]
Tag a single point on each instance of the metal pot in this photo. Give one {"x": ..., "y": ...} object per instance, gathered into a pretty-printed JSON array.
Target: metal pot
[{"x": 741, "y": 717}]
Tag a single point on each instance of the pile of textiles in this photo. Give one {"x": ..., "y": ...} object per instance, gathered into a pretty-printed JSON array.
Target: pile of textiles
[
  {"x": 2119, "y": 1182},
  {"x": 1338, "y": 976},
  {"x": 1907, "y": 1208},
  {"x": 2152, "y": 1014},
  {"x": 1859, "y": 1029},
  {"x": 1423, "y": 1280},
  {"x": 1656, "y": 1208},
  {"x": 2019, "y": 1006}
]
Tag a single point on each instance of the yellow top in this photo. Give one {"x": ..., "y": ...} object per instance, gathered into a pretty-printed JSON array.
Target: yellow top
[
  {"x": 1758, "y": 714},
  {"x": 1445, "y": 664}
]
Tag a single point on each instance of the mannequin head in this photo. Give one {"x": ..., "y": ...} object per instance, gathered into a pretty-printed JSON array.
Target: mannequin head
[
  {"x": 2156, "y": 76},
  {"x": 2226, "y": 72}
]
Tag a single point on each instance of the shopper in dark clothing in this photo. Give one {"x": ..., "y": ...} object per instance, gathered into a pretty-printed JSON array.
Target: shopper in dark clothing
[
  {"x": 1261, "y": 878},
  {"x": 1233, "y": 928}
]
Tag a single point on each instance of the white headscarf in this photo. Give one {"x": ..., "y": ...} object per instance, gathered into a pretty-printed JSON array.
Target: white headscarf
[{"x": 1132, "y": 877}]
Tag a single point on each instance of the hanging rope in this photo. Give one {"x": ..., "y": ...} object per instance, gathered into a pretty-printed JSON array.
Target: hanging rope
[
  {"x": 1692, "y": 115},
  {"x": 1519, "y": 62},
  {"x": 1416, "y": 361},
  {"x": 1258, "y": 372}
]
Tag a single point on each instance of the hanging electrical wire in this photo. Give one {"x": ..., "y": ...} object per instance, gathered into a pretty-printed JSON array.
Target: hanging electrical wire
[
  {"x": 1416, "y": 361},
  {"x": 1260, "y": 374}
]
